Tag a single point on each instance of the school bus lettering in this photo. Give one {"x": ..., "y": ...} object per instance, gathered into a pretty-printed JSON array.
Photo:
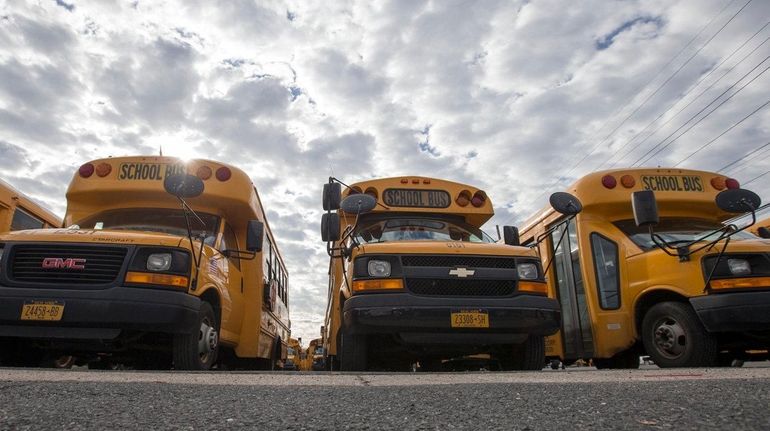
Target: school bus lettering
[
  {"x": 416, "y": 198},
  {"x": 673, "y": 183},
  {"x": 148, "y": 171}
]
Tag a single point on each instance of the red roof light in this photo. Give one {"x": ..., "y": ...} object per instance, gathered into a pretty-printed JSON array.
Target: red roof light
[
  {"x": 732, "y": 183},
  {"x": 609, "y": 181},
  {"x": 223, "y": 173},
  {"x": 86, "y": 170}
]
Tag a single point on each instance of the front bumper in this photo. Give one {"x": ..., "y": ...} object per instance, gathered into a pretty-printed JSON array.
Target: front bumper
[
  {"x": 99, "y": 314},
  {"x": 417, "y": 317},
  {"x": 734, "y": 312}
]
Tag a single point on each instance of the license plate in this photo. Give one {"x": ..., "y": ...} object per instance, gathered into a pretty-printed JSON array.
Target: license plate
[
  {"x": 42, "y": 310},
  {"x": 470, "y": 319}
]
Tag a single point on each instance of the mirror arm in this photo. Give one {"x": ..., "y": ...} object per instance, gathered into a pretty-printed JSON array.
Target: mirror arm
[
  {"x": 240, "y": 254},
  {"x": 556, "y": 247},
  {"x": 706, "y": 288}
]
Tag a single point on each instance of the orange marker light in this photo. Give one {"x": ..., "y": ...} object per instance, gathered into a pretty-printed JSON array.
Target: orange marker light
[
  {"x": 464, "y": 198},
  {"x": 378, "y": 284},
  {"x": 533, "y": 286},
  {"x": 103, "y": 169},
  {"x": 203, "y": 172},
  {"x": 737, "y": 283},
  {"x": 628, "y": 181},
  {"x": 718, "y": 183}
]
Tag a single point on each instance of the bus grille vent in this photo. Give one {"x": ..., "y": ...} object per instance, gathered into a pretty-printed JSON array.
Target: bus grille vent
[
  {"x": 100, "y": 265},
  {"x": 463, "y": 261},
  {"x": 456, "y": 287}
]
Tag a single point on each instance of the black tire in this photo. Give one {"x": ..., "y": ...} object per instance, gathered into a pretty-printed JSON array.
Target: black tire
[
  {"x": 275, "y": 356},
  {"x": 198, "y": 349},
  {"x": 353, "y": 352},
  {"x": 529, "y": 355},
  {"x": 625, "y": 360},
  {"x": 673, "y": 336}
]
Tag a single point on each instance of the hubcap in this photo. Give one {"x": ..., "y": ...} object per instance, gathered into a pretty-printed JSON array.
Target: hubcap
[
  {"x": 670, "y": 338},
  {"x": 208, "y": 338}
]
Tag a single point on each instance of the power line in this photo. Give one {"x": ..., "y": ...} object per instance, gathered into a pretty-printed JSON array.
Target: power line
[
  {"x": 628, "y": 102},
  {"x": 723, "y": 133},
  {"x": 692, "y": 88},
  {"x": 723, "y": 168},
  {"x": 645, "y": 159},
  {"x": 692, "y": 101}
]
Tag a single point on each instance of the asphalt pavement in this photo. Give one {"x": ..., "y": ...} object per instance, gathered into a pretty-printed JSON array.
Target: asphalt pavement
[{"x": 729, "y": 398}]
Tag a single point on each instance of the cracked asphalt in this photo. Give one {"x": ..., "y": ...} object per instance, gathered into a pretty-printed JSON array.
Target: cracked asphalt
[{"x": 727, "y": 398}]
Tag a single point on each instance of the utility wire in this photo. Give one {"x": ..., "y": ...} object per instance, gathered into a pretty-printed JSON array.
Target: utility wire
[
  {"x": 638, "y": 91},
  {"x": 691, "y": 102},
  {"x": 692, "y": 88},
  {"x": 723, "y": 168},
  {"x": 644, "y": 159},
  {"x": 723, "y": 133}
]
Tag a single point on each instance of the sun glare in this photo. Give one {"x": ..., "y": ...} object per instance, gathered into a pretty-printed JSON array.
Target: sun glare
[{"x": 174, "y": 145}]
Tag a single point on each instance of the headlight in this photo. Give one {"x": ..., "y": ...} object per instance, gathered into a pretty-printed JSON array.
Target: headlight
[
  {"x": 527, "y": 271},
  {"x": 378, "y": 268},
  {"x": 159, "y": 262},
  {"x": 739, "y": 266}
]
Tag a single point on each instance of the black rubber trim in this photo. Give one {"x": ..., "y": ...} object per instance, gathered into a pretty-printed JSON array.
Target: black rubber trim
[{"x": 734, "y": 312}]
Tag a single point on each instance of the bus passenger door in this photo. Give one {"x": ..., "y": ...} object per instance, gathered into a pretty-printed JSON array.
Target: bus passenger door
[{"x": 576, "y": 330}]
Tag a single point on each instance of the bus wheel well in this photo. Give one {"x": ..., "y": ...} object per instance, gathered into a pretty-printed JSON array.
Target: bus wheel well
[
  {"x": 212, "y": 297},
  {"x": 650, "y": 299}
]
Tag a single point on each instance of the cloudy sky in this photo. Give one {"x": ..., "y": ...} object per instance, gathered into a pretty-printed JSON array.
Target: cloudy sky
[{"x": 517, "y": 97}]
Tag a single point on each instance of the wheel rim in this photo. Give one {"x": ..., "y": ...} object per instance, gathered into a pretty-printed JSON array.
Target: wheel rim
[
  {"x": 208, "y": 339},
  {"x": 669, "y": 337}
]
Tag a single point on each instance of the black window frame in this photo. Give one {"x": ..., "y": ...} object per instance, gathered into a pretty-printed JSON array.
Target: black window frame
[{"x": 596, "y": 271}]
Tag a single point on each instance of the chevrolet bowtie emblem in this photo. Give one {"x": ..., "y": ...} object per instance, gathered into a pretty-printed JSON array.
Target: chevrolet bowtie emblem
[{"x": 462, "y": 272}]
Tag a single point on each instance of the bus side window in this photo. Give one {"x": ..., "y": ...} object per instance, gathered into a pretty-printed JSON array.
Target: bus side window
[
  {"x": 605, "y": 254},
  {"x": 230, "y": 242},
  {"x": 23, "y": 220}
]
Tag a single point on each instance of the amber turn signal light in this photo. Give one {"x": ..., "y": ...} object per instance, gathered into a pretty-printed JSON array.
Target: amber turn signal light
[
  {"x": 158, "y": 279},
  {"x": 378, "y": 284},
  {"x": 533, "y": 287},
  {"x": 737, "y": 283}
]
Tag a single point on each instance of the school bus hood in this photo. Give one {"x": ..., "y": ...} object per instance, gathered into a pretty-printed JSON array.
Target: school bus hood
[
  {"x": 448, "y": 247},
  {"x": 93, "y": 236}
]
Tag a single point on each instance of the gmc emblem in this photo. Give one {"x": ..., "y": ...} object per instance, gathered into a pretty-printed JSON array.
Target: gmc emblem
[{"x": 59, "y": 263}]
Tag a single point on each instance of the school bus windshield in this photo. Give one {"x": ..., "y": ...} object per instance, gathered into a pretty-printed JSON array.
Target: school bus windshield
[
  {"x": 381, "y": 229},
  {"x": 675, "y": 230},
  {"x": 170, "y": 221}
]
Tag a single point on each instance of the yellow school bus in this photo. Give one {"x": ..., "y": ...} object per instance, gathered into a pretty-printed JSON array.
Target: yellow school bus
[
  {"x": 162, "y": 262},
  {"x": 674, "y": 282},
  {"x": 18, "y": 212},
  {"x": 412, "y": 278},
  {"x": 293, "y": 355},
  {"x": 315, "y": 356}
]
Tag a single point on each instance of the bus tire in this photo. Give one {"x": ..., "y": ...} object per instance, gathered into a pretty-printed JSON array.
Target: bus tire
[
  {"x": 353, "y": 352},
  {"x": 529, "y": 355},
  {"x": 198, "y": 349},
  {"x": 673, "y": 336}
]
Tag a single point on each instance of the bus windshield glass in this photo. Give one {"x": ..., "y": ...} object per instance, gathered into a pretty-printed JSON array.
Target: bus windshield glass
[
  {"x": 418, "y": 229},
  {"x": 170, "y": 221},
  {"x": 676, "y": 231}
]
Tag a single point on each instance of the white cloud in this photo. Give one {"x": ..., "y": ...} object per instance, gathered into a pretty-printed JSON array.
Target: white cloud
[{"x": 505, "y": 95}]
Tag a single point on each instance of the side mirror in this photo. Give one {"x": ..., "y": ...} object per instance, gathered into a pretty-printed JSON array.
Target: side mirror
[
  {"x": 183, "y": 185},
  {"x": 763, "y": 232},
  {"x": 645, "y": 208},
  {"x": 331, "y": 196},
  {"x": 511, "y": 235},
  {"x": 565, "y": 203},
  {"x": 738, "y": 201},
  {"x": 358, "y": 203},
  {"x": 255, "y": 232},
  {"x": 330, "y": 227}
]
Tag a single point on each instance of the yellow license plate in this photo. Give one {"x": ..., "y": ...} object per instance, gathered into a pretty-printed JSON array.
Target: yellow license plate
[
  {"x": 470, "y": 319},
  {"x": 42, "y": 310}
]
